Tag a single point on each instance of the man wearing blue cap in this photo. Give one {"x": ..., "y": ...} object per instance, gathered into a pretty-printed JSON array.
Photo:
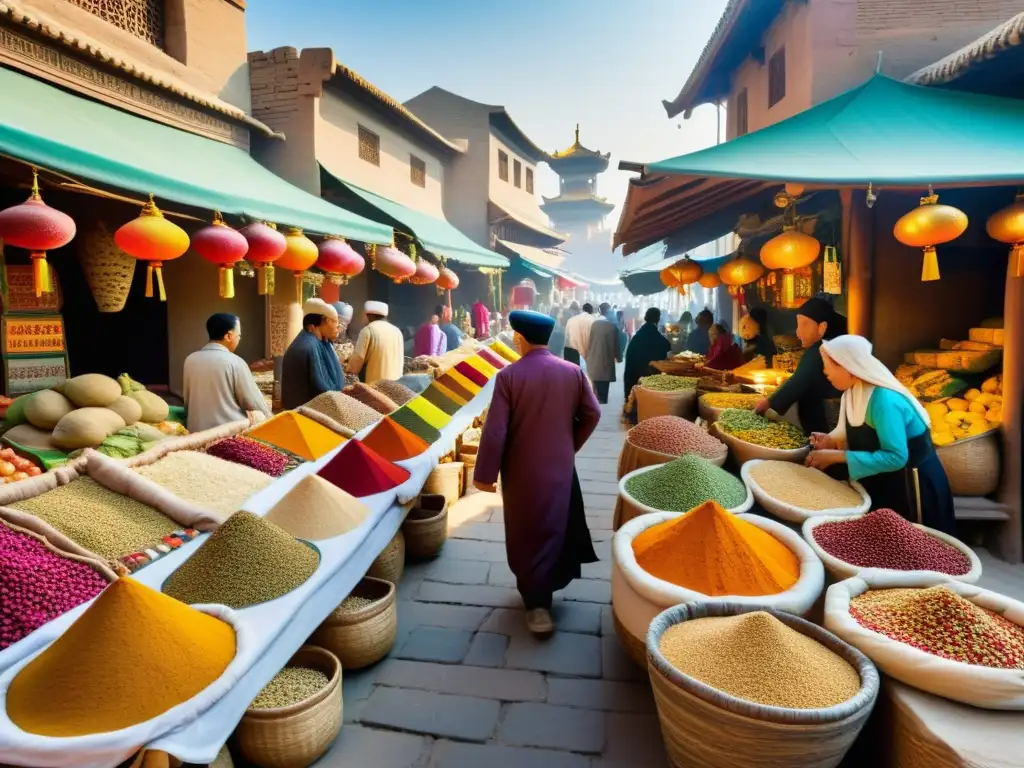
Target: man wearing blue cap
[{"x": 542, "y": 412}]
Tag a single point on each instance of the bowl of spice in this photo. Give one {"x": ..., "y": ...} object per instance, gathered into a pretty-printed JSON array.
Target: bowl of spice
[
  {"x": 711, "y": 404},
  {"x": 945, "y": 637},
  {"x": 883, "y": 540},
  {"x": 777, "y": 684},
  {"x": 682, "y": 484},
  {"x": 795, "y": 493},
  {"x": 750, "y": 436},
  {"x": 663, "y": 438},
  {"x": 297, "y": 715},
  {"x": 660, "y": 560}
]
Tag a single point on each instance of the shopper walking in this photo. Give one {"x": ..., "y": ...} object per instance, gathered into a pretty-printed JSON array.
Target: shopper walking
[{"x": 603, "y": 352}]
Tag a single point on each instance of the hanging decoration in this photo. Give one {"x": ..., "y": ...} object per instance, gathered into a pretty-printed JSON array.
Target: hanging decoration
[
  {"x": 683, "y": 272},
  {"x": 153, "y": 239},
  {"x": 425, "y": 274},
  {"x": 223, "y": 246},
  {"x": 927, "y": 226},
  {"x": 38, "y": 228},
  {"x": 738, "y": 273},
  {"x": 710, "y": 280},
  {"x": 832, "y": 275},
  {"x": 447, "y": 280},
  {"x": 266, "y": 245},
  {"x": 1007, "y": 226},
  {"x": 338, "y": 260},
  {"x": 300, "y": 254},
  {"x": 391, "y": 262},
  {"x": 789, "y": 251}
]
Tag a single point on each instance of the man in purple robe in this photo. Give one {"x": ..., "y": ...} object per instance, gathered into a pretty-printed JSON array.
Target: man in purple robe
[
  {"x": 430, "y": 339},
  {"x": 541, "y": 413}
]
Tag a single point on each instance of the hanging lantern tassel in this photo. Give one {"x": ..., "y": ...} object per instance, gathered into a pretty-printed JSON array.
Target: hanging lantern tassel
[
  {"x": 226, "y": 282},
  {"x": 1007, "y": 226},
  {"x": 927, "y": 226},
  {"x": 265, "y": 281},
  {"x": 157, "y": 268},
  {"x": 833, "y": 272},
  {"x": 41, "y": 274},
  {"x": 930, "y": 265}
]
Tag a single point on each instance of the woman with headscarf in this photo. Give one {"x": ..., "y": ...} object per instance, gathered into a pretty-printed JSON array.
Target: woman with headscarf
[
  {"x": 883, "y": 438},
  {"x": 808, "y": 388},
  {"x": 723, "y": 354}
]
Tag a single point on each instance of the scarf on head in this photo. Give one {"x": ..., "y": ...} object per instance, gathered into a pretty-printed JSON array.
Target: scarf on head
[{"x": 854, "y": 354}]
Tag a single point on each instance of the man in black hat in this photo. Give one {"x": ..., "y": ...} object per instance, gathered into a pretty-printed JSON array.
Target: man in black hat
[{"x": 541, "y": 413}]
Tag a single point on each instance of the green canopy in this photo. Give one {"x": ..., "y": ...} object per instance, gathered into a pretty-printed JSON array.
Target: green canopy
[
  {"x": 51, "y": 128},
  {"x": 437, "y": 235},
  {"x": 885, "y": 132}
]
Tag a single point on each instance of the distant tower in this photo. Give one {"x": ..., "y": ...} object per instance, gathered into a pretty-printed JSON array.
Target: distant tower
[{"x": 579, "y": 211}]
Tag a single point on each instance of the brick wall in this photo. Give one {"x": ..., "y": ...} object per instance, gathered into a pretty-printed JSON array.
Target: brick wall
[{"x": 274, "y": 81}]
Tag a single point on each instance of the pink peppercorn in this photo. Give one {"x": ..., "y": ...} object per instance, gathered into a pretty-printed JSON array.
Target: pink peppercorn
[
  {"x": 883, "y": 539},
  {"x": 250, "y": 453}
]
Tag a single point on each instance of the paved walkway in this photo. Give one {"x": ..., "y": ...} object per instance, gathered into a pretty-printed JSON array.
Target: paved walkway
[{"x": 467, "y": 686}]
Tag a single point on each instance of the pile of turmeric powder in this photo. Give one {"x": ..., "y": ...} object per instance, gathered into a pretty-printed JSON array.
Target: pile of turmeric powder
[{"x": 711, "y": 551}]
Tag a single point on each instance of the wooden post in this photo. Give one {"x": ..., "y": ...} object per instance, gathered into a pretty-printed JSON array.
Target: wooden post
[
  {"x": 857, "y": 256},
  {"x": 1008, "y": 542}
]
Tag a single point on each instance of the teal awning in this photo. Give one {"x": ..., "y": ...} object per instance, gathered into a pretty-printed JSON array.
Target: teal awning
[
  {"x": 51, "y": 128},
  {"x": 646, "y": 281},
  {"x": 436, "y": 235},
  {"x": 534, "y": 259}
]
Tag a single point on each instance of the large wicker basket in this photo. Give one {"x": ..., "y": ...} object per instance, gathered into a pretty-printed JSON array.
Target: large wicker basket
[
  {"x": 694, "y": 717},
  {"x": 297, "y": 735},
  {"x": 361, "y": 637},
  {"x": 972, "y": 464},
  {"x": 390, "y": 563},
  {"x": 446, "y": 480},
  {"x": 108, "y": 270},
  {"x": 426, "y": 527}
]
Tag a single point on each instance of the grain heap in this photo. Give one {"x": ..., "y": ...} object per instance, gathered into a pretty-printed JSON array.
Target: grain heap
[
  {"x": 345, "y": 410},
  {"x": 482, "y": 365},
  {"x": 685, "y": 483},
  {"x": 496, "y": 361},
  {"x": 751, "y": 428},
  {"x": 359, "y": 471},
  {"x": 245, "y": 562},
  {"x": 883, "y": 539},
  {"x": 368, "y": 396},
  {"x": 724, "y": 400},
  {"x": 417, "y": 424},
  {"x": 104, "y": 674},
  {"x": 940, "y": 622},
  {"x": 664, "y": 382},
  {"x": 395, "y": 391},
  {"x": 472, "y": 374},
  {"x": 37, "y": 585},
  {"x": 429, "y": 412},
  {"x": 392, "y": 441},
  {"x": 754, "y": 656},
  {"x": 297, "y": 434},
  {"x": 290, "y": 686},
  {"x": 437, "y": 397},
  {"x": 315, "y": 509},
  {"x": 354, "y": 603},
  {"x": 455, "y": 389},
  {"x": 715, "y": 553},
  {"x": 503, "y": 350},
  {"x": 675, "y": 436},
  {"x": 100, "y": 520},
  {"x": 250, "y": 453},
  {"x": 803, "y": 487},
  {"x": 206, "y": 481}
]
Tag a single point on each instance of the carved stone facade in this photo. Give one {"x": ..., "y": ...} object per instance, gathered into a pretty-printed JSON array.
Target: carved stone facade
[{"x": 143, "y": 18}]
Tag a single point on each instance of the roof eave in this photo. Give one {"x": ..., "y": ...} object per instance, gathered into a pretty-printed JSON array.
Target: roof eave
[
  {"x": 991, "y": 45},
  {"x": 538, "y": 155}
]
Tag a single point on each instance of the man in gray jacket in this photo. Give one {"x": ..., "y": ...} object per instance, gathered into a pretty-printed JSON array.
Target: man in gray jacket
[{"x": 604, "y": 350}]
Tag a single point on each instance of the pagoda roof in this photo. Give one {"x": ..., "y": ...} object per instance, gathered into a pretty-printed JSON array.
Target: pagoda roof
[
  {"x": 575, "y": 199},
  {"x": 578, "y": 151}
]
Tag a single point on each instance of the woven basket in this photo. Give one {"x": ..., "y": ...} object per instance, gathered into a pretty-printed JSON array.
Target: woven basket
[
  {"x": 108, "y": 270},
  {"x": 390, "y": 563},
  {"x": 426, "y": 527},
  {"x": 297, "y": 735},
  {"x": 446, "y": 480},
  {"x": 468, "y": 465},
  {"x": 635, "y": 649},
  {"x": 695, "y": 716},
  {"x": 742, "y": 451},
  {"x": 364, "y": 637},
  {"x": 651, "y": 403},
  {"x": 972, "y": 464}
]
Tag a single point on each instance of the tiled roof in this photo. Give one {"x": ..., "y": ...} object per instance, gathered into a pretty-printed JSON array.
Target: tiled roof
[{"x": 989, "y": 46}]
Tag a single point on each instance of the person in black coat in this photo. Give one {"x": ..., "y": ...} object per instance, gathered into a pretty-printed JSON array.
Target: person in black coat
[{"x": 646, "y": 346}]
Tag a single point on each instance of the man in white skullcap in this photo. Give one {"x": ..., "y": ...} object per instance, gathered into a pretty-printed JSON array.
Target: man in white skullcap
[
  {"x": 380, "y": 348},
  {"x": 345, "y": 313},
  {"x": 310, "y": 366}
]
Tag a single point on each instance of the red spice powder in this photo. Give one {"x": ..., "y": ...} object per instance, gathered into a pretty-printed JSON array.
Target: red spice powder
[
  {"x": 360, "y": 471},
  {"x": 471, "y": 373},
  {"x": 391, "y": 441},
  {"x": 495, "y": 360}
]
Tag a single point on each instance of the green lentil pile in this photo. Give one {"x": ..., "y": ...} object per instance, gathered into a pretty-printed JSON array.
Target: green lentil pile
[
  {"x": 756, "y": 657},
  {"x": 246, "y": 561},
  {"x": 751, "y": 428},
  {"x": 290, "y": 686},
  {"x": 685, "y": 483},
  {"x": 102, "y": 521},
  {"x": 664, "y": 382},
  {"x": 206, "y": 481}
]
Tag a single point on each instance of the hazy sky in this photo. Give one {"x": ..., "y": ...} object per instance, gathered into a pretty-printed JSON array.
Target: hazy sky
[{"x": 605, "y": 64}]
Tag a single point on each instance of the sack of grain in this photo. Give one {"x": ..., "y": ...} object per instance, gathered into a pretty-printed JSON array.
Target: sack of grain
[
  {"x": 651, "y": 403},
  {"x": 795, "y": 492},
  {"x": 988, "y": 687}
]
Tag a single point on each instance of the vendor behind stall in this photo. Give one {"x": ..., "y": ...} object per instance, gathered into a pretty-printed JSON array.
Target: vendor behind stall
[
  {"x": 380, "y": 348},
  {"x": 883, "y": 437},
  {"x": 808, "y": 388},
  {"x": 310, "y": 366},
  {"x": 757, "y": 339},
  {"x": 646, "y": 346},
  {"x": 723, "y": 353}
]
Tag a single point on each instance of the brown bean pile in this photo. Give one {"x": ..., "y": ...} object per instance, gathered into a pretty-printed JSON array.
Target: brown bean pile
[
  {"x": 206, "y": 481},
  {"x": 675, "y": 436},
  {"x": 803, "y": 487},
  {"x": 345, "y": 410},
  {"x": 290, "y": 686},
  {"x": 394, "y": 391},
  {"x": 756, "y": 657},
  {"x": 102, "y": 521},
  {"x": 371, "y": 397}
]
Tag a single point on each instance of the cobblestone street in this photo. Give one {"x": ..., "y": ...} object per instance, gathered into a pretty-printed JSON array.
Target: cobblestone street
[{"x": 467, "y": 686}]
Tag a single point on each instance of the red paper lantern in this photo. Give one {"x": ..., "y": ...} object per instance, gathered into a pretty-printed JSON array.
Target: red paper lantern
[
  {"x": 425, "y": 274},
  {"x": 153, "y": 239},
  {"x": 300, "y": 254},
  {"x": 447, "y": 280},
  {"x": 36, "y": 227},
  {"x": 391, "y": 262},
  {"x": 225, "y": 247},
  {"x": 338, "y": 260},
  {"x": 266, "y": 245}
]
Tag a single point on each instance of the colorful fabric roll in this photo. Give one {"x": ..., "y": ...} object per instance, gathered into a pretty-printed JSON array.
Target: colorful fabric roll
[
  {"x": 496, "y": 361},
  {"x": 482, "y": 365},
  {"x": 464, "y": 382},
  {"x": 505, "y": 351}
]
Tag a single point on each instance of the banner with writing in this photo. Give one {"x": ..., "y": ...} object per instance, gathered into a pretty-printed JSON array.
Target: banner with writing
[
  {"x": 33, "y": 335},
  {"x": 20, "y": 291}
]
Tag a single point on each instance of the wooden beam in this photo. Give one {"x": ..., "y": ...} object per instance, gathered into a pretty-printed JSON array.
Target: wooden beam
[
  {"x": 857, "y": 259},
  {"x": 1008, "y": 543}
]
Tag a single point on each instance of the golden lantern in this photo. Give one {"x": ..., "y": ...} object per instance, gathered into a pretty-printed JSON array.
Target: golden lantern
[
  {"x": 740, "y": 271},
  {"x": 710, "y": 280},
  {"x": 300, "y": 253},
  {"x": 1007, "y": 226},
  {"x": 928, "y": 225},
  {"x": 789, "y": 251},
  {"x": 683, "y": 272},
  {"x": 153, "y": 239}
]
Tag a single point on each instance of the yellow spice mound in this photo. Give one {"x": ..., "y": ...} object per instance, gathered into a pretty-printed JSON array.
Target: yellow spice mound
[
  {"x": 133, "y": 655},
  {"x": 716, "y": 553}
]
